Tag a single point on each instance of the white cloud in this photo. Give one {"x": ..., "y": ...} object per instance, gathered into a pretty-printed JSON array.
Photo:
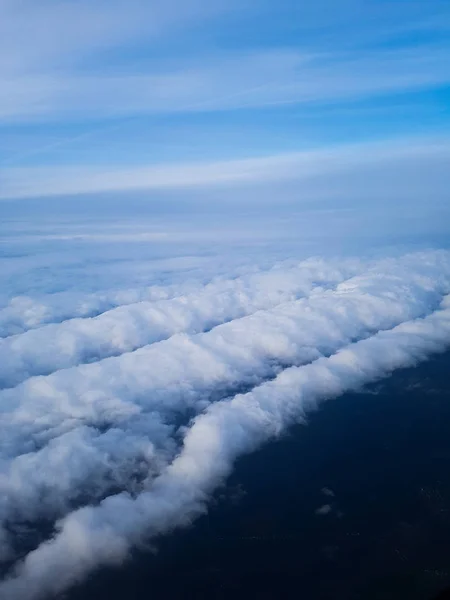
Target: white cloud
[
  {"x": 22, "y": 313},
  {"x": 127, "y": 328},
  {"x": 325, "y": 509}
]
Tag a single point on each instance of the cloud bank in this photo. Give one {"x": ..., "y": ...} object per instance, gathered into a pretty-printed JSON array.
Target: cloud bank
[
  {"x": 129, "y": 327},
  {"x": 114, "y": 450}
]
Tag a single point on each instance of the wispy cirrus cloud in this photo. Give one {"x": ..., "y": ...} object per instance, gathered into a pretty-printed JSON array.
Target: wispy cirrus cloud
[
  {"x": 38, "y": 37},
  {"x": 402, "y": 164},
  {"x": 250, "y": 80},
  {"x": 47, "y": 46},
  {"x": 75, "y": 69}
]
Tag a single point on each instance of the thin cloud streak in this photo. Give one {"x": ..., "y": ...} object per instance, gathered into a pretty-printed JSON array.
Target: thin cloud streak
[
  {"x": 31, "y": 182},
  {"x": 83, "y": 29},
  {"x": 245, "y": 80}
]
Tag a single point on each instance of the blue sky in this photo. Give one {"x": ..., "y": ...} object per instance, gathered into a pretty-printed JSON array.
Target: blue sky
[{"x": 99, "y": 96}]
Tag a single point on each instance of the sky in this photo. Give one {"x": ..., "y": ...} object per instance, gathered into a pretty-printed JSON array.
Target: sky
[
  {"x": 214, "y": 216},
  {"x": 137, "y": 95}
]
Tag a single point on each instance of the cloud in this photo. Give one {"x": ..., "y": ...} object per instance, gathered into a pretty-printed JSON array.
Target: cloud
[
  {"x": 126, "y": 328},
  {"x": 81, "y": 29},
  {"x": 77, "y": 436},
  {"x": 368, "y": 326},
  {"x": 22, "y": 313},
  {"x": 242, "y": 80},
  {"x": 324, "y": 509},
  {"x": 40, "y": 71},
  {"x": 401, "y": 162}
]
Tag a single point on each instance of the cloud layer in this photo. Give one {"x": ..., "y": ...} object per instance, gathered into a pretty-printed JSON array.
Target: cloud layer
[
  {"x": 129, "y": 327},
  {"x": 116, "y": 449}
]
